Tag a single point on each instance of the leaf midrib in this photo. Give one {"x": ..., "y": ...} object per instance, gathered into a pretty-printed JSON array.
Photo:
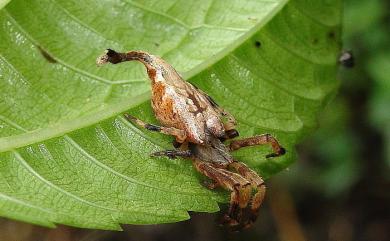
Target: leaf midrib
[{"x": 107, "y": 111}]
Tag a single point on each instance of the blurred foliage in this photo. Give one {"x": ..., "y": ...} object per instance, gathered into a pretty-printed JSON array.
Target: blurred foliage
[
  {"x": 340, "y": 183},
  {"x": 379, "y": 69},
  {"x": 330, "y": 159}
]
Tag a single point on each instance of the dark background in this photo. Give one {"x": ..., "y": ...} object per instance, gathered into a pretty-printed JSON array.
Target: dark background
[{"x": 339, "y": 188}]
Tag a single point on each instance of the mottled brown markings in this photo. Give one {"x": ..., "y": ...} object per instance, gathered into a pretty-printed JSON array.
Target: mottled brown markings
[
  {"x": 146, "y": 58},
  {"x": 151, "y": 74},
  {"x": 210, "y": 100},
  {"x": 158, "y": 90},
  {"x": 46, "y": 55},
  {"x": 114, "y": 57},
  {"x": 199, "y": 107},
  {"x": 194, "y": 118}
]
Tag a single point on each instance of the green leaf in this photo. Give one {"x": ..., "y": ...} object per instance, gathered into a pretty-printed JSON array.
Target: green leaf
[
  {"x": 3, "y": 3},
  {"x": 67, "y": 154}
]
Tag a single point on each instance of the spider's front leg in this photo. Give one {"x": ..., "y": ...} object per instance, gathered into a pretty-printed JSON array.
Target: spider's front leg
[
  {"x": 179, "y": 134},
  {"x": 240, "y": 188},
  {"x": 172, "y": 154},
  {"x": 259, "y": 140}
]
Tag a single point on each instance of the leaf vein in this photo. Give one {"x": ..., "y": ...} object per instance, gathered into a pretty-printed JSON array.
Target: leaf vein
[
  {"x": 60, "y": 61},
  {"x": 109, "y": 169},
  {"x": 55, "y": 187}
]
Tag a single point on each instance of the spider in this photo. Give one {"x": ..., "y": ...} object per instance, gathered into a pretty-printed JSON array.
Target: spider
[{"x": 200, "y": 127}]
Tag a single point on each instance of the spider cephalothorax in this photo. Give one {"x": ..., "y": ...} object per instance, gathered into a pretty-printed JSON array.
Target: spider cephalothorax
[{"x": 200, "y": 126}]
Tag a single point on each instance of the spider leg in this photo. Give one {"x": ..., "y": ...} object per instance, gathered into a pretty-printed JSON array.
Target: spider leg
[
  {"x": 172, "y": 154},
  {"x": 259, "y": 140},
  {"x": 179, "y": 134},
  {"x": 210, "y": 184},
  {"x": 240, "y": 189},
  {"x": 257, "y": 184}
]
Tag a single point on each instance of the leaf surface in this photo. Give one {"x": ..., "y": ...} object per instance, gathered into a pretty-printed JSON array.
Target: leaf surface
[{"x": 66, "y": 153}]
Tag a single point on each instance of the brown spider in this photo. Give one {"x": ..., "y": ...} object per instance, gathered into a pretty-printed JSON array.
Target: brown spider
[{"x": 196, "y": 121}]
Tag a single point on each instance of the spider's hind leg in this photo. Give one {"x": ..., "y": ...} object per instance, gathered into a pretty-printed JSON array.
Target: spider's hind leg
[
  {"x": 257, "y": 185},
  {"x": 240, "y": 189}
]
